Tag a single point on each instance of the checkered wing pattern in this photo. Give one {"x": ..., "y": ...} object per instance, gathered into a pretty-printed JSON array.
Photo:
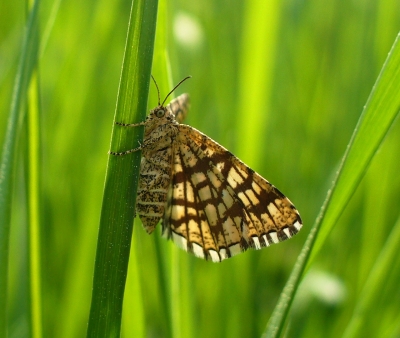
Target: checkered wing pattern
[{"x": 217, "y": 206}]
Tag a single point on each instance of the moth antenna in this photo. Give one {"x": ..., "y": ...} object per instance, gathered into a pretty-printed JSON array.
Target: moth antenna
[
  {"x": 158, "y": 91},
  {"x": 180, "y": 82}
]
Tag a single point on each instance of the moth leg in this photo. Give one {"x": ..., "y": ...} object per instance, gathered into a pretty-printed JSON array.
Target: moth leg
[
  {"x": 122, "y": 153},
  {"x": 130, "y": 124}
]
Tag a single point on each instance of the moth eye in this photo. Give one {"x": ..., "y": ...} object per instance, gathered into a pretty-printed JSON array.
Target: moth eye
[{"x": 160, "y": 113}]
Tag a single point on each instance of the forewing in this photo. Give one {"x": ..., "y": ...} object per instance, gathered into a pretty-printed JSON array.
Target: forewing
[
  {"x": 179, "y": 107},
  {"x": 218, "y": 207}
]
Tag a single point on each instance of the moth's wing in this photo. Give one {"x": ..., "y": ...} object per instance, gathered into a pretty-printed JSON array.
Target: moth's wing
[
  {"x": 218, "y": 207},
  {"x": 179, "y": 107}
]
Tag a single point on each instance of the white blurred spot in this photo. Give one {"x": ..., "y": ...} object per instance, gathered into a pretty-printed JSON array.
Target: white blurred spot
[
  {"x": 323, "y": 286},
  {"x": 187, "y": 30}
]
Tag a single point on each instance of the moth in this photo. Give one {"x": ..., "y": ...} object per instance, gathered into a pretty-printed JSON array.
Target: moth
[{"x": 209, "y": 202}]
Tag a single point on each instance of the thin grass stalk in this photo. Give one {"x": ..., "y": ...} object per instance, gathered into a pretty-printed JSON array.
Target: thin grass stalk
[
  {"x": 33, "y": 205},
  {"x": 26, "y": 66}
]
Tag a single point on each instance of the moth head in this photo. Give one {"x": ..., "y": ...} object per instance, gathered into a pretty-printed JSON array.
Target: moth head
[{"x": 158, "y": 116}]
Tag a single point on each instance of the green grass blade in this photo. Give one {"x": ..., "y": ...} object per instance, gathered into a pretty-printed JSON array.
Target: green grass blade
[
  {"x": 33, "y": 205},
  {"x": 26, "y": 66},
  {"x": 161, "y": 72},
  {"x": 117, "y": 213},
  {"x": 133, "y": 320},
  {"x": 379, "y": 113},
  {"x": 257, "y": 62}
]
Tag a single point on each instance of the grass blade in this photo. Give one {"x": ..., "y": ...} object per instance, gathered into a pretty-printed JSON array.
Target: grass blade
[
  {"x": 379, "y": 113},
  {"x": 117, "y": 213},
  {"x": 26, "y": 66},
  {"x": 33, "y": 205},
  {"x": 262, "y": 22}
]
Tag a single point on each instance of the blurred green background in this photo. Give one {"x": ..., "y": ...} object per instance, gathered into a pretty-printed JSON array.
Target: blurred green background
[{"x": 281, "y": 85}]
